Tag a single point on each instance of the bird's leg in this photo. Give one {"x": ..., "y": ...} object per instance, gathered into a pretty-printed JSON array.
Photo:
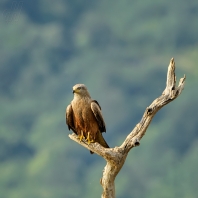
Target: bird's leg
[
  {"x": 88, "y": 138},
  {"x": 81, "y": 136}
]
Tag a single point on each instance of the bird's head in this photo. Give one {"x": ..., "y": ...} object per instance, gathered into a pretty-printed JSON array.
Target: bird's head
[{"x": 80, "y": 90}]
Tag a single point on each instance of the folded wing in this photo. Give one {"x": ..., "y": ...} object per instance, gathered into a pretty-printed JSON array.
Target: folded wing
[
  {"x": 70, "y": 118},
  {"x": 96, "y": 109}
]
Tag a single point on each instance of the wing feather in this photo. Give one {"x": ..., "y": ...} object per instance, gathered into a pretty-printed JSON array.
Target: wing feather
[
  {"x": 96, "y": 109},
  {"x": 70, "y": 118}
]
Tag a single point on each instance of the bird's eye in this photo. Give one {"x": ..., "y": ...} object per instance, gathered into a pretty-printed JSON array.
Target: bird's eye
[{"x": 79, "y": 88}]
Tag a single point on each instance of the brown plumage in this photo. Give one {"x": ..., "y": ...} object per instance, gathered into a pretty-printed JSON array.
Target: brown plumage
[{"x": 84, "y": 116}]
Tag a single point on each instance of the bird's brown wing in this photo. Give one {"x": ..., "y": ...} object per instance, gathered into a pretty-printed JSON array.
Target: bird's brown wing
[
  {"x": 96, "y": 109},
  {"x": 70, "y": 118}
]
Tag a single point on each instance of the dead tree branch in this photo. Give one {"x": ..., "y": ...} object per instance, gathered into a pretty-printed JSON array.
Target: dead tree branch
[{"x": 116, "y": 157}]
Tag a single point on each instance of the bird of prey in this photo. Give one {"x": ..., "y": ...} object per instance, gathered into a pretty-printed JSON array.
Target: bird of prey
[{"x": 84, "y": 116}]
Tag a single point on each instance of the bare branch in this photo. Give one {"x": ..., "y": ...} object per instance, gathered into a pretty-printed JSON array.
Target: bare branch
[{"x": 116, "y": 157}]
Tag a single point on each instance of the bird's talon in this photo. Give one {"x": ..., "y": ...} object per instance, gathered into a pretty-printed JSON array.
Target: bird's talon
[
  {"x": 88, "y": 139},
  {"x": 81, "y": 136}
]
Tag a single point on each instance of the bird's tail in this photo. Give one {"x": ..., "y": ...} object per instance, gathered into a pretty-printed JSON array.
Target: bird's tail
[{"x": 100, "y": 139}]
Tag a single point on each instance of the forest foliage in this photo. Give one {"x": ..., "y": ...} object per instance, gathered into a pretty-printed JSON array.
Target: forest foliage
[{"x": 120, "y": 50}]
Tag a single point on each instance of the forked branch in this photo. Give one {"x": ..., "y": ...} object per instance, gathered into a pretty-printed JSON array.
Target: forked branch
[{"x": 116, "y": 157}]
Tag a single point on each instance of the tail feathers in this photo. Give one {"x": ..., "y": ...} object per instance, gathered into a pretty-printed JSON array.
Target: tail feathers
[{"x": 101, "y": 141}]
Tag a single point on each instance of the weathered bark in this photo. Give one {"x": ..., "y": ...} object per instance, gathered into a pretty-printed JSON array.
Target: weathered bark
[{"x": 116, "y": 157}]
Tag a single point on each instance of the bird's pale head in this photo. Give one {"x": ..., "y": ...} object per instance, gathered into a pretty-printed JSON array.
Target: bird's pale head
[{"x": 80, "y": 90}]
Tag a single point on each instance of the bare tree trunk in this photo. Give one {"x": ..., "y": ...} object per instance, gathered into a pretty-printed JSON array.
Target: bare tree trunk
[{"x": 116, "y": 157}]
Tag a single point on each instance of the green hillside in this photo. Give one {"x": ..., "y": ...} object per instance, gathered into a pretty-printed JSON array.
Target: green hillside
[{"x": 120, "y": 50}]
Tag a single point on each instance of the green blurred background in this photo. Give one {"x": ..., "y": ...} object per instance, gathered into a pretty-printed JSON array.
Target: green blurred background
[{"x": 121, "y": 50}]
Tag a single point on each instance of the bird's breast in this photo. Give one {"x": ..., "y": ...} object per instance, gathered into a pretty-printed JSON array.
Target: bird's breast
[{"x": 84, "y": 118}]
